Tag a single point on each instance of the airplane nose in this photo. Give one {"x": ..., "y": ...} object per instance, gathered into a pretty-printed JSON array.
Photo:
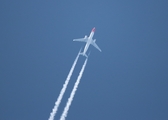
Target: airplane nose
[{"x": 93, "y": 30}]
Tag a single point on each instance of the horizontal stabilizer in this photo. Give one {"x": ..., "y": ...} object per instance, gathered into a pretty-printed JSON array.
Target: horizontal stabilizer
[{"x": 83, "y": 55}]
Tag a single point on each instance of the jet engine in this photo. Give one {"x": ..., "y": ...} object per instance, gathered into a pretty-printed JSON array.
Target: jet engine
[{"x": 85, "y": 37}]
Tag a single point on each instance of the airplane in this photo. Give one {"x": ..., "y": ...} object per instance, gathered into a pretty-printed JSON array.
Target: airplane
[{"x": 88, "y": 41}]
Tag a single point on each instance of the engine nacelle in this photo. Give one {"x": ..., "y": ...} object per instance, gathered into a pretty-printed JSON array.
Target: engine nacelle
[
  {"x": 94, "y": 40},
  {"x": 85, "y": 37}
]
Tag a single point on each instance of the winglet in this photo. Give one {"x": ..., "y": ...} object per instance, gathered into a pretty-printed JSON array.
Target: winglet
[{"x": 93, "y": 30}]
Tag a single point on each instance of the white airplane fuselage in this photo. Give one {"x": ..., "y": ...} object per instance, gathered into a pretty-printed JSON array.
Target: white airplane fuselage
[{"x": 89, "y": 41}]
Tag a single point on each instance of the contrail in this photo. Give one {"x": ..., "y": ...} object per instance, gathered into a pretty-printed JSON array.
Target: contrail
[
  {"x": 57, "y": 103},
  {"x": 70, "y": 99}
]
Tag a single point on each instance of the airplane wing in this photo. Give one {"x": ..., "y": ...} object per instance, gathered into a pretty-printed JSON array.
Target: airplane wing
[
  {"x": 80, "y": 40},
  {"x": 96, "y": 46}
]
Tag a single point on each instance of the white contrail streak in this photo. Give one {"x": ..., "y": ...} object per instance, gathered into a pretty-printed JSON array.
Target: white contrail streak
[
  {"x": 57, "y": 103},
  {"x": 70, "y": 99}
]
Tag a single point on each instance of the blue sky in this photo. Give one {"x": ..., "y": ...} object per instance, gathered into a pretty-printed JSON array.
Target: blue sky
[{"x": 126, "y": 81}]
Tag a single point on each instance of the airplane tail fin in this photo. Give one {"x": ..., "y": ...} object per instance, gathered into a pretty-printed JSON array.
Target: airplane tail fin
[{"x": 83, "y": 55}]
